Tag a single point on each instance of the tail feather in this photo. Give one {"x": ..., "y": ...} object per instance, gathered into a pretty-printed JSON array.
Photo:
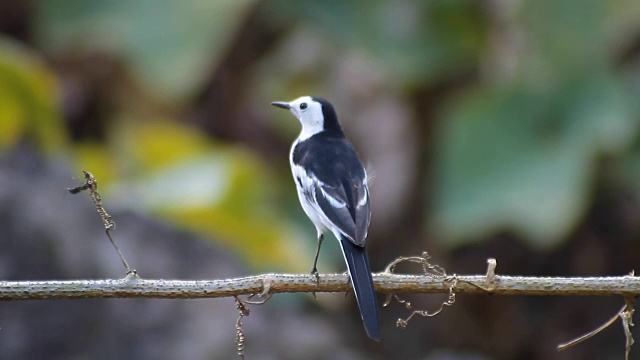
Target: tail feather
[{"x": 360, "y": 273}]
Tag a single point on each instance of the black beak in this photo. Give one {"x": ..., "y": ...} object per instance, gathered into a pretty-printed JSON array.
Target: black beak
[{"x": 281, "y": 104}]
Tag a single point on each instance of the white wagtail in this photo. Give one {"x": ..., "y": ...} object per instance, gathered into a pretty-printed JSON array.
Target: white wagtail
[{"x": 332, "y": 188}]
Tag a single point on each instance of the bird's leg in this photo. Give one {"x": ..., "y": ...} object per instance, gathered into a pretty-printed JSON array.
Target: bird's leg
[{"x": 314, "y": 271}]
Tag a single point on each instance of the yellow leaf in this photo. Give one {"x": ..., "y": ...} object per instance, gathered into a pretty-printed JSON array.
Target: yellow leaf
[{"x": 29, "y": 99}]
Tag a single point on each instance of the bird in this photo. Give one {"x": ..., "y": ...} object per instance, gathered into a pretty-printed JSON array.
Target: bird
[{"x": 332, "y": 188}]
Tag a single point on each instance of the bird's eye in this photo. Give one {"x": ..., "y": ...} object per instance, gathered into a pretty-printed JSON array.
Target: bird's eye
[{"x": 303, "y": 106}]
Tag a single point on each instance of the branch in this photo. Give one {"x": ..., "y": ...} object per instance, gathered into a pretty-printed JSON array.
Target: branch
[
  {"x": 133, "y": 286},
  {"x": 434, "y": 279}
]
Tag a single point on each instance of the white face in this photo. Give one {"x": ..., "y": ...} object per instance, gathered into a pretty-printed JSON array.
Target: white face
[{"x": 309, "y": 113}]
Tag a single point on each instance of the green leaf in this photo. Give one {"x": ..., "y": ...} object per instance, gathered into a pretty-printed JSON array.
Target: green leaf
[
  {"x": 514, "y": 159},
  {"x": 169, "y": 44},
  {"x": 414, "y": 41}
]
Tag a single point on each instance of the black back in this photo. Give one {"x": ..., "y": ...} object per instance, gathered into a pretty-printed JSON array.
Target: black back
[
  {"x": 329, "y": 158},
  {"x": 334, "y": 162}
]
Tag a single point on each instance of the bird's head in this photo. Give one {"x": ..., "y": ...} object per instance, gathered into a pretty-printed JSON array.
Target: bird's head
[{"x": 315, "y": 115}]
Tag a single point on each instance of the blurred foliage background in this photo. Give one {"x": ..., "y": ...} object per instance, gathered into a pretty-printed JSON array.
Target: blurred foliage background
[{"x": 494, "y": 128}]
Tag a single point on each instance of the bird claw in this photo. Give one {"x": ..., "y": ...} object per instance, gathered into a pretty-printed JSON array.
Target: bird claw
[
  {"x": 348, "y": 283},
  {"x": 314, "y": 272}
]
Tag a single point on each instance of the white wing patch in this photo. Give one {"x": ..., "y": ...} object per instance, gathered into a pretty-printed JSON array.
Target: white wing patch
[
  {"x": 306, "y": 194},
  {"x": 336, "y": 203},
  {"x": 365, "y": 196}
]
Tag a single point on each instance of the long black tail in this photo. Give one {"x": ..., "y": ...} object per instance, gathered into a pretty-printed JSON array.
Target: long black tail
[{"x": 360, "y": 273}]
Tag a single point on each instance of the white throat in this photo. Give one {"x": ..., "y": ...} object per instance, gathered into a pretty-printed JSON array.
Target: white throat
[
  {"x": 310, "y": 118},
  {"x": 310, "y": 128}
]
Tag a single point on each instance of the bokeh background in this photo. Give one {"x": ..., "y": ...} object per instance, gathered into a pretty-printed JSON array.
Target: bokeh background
[{"x": 493, "y": 128}]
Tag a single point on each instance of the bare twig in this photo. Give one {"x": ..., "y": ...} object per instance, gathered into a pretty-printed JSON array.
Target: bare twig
[
  {"x": 403, "y": 323},
  {"x": 243, "y": 311},
  {"x": 264, "y": 295},
  {"x": 491, "y": 272},
  {"x": 591, "y": 334},
  {"x": 625, "y": 314},
  {"x": 134, "y": 287},
  {"x": 627, "y": 323},
  {"x": 91, "y": 184},
  {"x": 435, "y": 271},
  {"x": 241, "y": 305}
]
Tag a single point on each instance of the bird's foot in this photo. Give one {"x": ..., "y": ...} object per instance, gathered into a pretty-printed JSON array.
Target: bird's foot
[
  {"x": 314, "y": 273},
  {"x": 348, "y": 283}
]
